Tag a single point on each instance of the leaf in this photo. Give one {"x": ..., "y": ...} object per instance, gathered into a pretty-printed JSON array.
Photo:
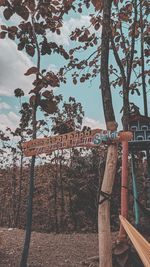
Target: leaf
[
  {"x": 138, "y": 92},
  {"x": 32, "y": 70},
  {"x": 13, "y": 29},
  {"x": 82, "y": 79},
  {"x": 147, "y": 52},
  {"x": 97, "y": 26},
  {"x": 116, "y": 2},
  {"x": 48, "y": 106},
  {"x": 80, "y": 10},
  {"x": 11, "y": 36},
  {"x": 23, "y": 12},
  {"x": 30, "y": 4},
  {"x": 117, "y": 39},
  {"x": 8, "y": 12},
  {"x": 47, "y": 94},
  {"x": 98, "y": 4},
  {"x": 75, "y": 81},
  {"x": 52, "y": 79},
  {"x": 30, "y": 50},
  {"x": 2, "y": 35},
  {"x": 18, "y": 92},
  {"x": 3, "y": 2},
  {"x": 21, "y": 46},
  {"x": 3, "y": 27},
  {"x": 123, "y": 16}
]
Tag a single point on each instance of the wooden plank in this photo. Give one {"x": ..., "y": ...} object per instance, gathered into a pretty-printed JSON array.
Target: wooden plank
[{"x": 91, "y": 138}]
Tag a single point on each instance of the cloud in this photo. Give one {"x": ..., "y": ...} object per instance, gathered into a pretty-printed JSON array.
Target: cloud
[
  {"x": 4, "y": 105},
  {"x": 68, "y": 27},
  {"x": 10, "y": 120},
  {"x": 13, "y": 65},
  {"x": 93, "y": 124},
  {"x": 52, "y": 67}
]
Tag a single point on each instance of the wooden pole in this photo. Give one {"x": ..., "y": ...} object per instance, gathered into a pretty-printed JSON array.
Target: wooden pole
[
  {"x": 104, "y": 233},
  {"x": 124, "y": 188},
  {"x": 135, "y": 193},
  {"x": 148, "y": 178}
]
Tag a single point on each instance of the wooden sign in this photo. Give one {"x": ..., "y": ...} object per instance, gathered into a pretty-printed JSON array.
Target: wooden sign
[{"x": 91, "y": 138}]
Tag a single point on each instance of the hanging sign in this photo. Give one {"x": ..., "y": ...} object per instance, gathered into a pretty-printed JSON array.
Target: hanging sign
[{"x": 91, "y": 138}]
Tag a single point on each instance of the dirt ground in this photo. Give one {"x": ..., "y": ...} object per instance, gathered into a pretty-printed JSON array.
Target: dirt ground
[{"x": 48, "y": 250}]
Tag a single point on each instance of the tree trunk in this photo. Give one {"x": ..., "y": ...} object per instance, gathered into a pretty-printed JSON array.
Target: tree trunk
[
  {"x": 20, "y": 191},
  {"x": 62, "y": 196},
  {"x": 105, "y": 244},
  {"x": 25, "y": 252},
  {"x": 56, "y": 196},
  {"x": 55, "y": 206},
  {"x": 105, "y": 247}
]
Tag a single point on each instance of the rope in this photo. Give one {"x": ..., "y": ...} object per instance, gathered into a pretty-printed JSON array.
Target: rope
[{"x": 105, "y": 196}]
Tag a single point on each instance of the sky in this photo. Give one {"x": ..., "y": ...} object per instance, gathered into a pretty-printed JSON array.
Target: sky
[{"x": 14, "y": 63}]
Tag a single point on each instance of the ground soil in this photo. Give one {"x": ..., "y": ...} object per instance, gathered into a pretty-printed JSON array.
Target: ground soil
[{"x": 48, "y": 250}]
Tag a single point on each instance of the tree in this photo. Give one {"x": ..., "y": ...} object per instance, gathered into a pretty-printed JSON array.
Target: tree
[
  {"x": 38, "y": 17},
  {"x": 68, "y": 119},
  {"x": 105, "y": 250},
  {"x": 111, "y": 17}
]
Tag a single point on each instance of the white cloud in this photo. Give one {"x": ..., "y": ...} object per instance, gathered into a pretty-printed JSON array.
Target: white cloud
[
  {"x": 10, "y": 120},
  {"x": 68, "y": 27},
  {"x": 52, "y": 67},
  {"x": 93, "y": 124},
  {"x": 4, "y": 105},
  {"x": 13, "y": 65}
]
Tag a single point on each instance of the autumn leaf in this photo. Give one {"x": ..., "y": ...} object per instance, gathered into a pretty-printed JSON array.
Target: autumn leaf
[
  {"x": 3, "y": 2},
  {"x": 2, "y": 35},
  {"x": 48, "y": 106},
  {"x": 22, "y": 11},
  {"x": 82, "y": 79},
  {"x": 98, "y": 4},
  {"x": 8, "y": 12},
  {"x": 123, "y": 17},
  {"x": 30, "y": 4},
  {"x": 47, "y": 94},
  {"x": 11, "y": 36},
  {"x": 3, "y": 27},
  {"x": 30, "y": 50},
  {"x": 18, "y": 92},
  {"x": 32, "y": 70},
  {"x": 75, "y": 81},
  {"x": 97, "y": 26},
  {"x": 52, "y": 79},
  {"x": 116, "y": 2},
  {"x": 21, "y": 45}
]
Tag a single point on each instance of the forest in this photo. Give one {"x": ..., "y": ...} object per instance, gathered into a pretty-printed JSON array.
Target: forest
[{"x": 78, "y": 190}]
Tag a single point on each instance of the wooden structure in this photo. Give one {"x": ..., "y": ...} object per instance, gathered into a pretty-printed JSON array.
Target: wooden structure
[
  {"x": 140, "y": 243},
  {"x": 90, "y": 138},
  {"x": 140, "y": 127}
]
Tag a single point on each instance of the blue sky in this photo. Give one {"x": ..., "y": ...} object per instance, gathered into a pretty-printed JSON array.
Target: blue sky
[{"x": 14, "y": 64}]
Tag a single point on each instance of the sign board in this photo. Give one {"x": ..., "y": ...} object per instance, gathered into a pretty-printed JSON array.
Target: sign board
[{"x": 91, "y": 138}]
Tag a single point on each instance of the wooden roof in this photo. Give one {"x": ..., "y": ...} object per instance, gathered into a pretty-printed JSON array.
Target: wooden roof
[{"x": 138, "y": 117}]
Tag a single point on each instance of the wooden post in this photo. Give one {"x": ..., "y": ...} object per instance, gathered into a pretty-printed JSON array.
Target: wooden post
[
  {"x": 104, "y": 233},
  {"x": 135, "y": 192},
  {"x": 148, "y": 178},
  {"x": 124, "y": 188}
]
